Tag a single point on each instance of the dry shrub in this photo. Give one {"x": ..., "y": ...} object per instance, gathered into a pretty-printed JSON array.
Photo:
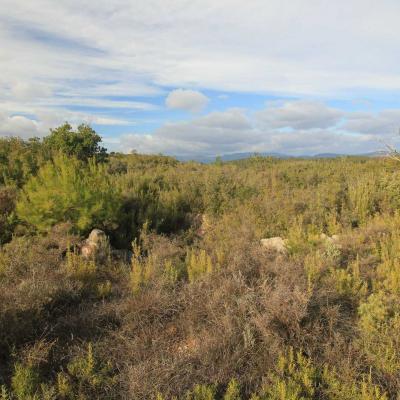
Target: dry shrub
[
  {"x": 232, "y": 322},
  {"x": 41, "y": 305}
]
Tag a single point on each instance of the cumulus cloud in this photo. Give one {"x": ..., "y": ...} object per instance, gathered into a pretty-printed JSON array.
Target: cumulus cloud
[
  {"x": 18, "y": 125},
  {"x": 386, "y": 122},
  {"x": 209, "y": 134},
  {"x": 231, "y": 119},
  {"x": 185, "y": 99},
  {"x": 299, "y": 115},
  {"x": 292, "y": 127}
]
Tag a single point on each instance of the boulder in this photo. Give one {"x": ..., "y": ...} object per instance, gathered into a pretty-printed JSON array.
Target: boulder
[
  {"x": 96, "y": 246},
  {"x": 97, "y": 236},
  {"x": 276, "y": 244}
]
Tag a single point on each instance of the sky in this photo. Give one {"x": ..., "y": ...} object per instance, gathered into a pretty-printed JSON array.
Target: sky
[{"x": 203, "y": 77}]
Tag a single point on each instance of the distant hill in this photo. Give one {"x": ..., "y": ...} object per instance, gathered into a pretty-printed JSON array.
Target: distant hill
[{"x": 242, "y": 156}]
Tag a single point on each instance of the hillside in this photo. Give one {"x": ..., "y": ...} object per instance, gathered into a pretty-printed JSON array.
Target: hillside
[{"x": 183, "y": 299}]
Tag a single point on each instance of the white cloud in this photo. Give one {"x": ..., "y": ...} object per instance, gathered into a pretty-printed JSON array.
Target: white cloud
[
  {"x": 99, "y": 103},
  {"x": 231, "y": 119},
  {"x": 279, "y": 46},
  {"x": 299, "y": 115},
  {"x": 185, "y": 99},
  {"x": 291, "y": 128},
  {"x": 386, "y": 122},
  {"x": 210, "y": 134},
  {"x": 18, "y": 125},
  {"x": 28, "y": 91}
]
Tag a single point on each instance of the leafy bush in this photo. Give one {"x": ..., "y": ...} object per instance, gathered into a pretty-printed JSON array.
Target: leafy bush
[
  {"x": 82, "y": 143},
  {"x": 295, "y": 378},
  {"x": 20, "y": 159},
  {"x": 25, "y": 382},
  {"x": 198, "y": 263},
  {"x": 65, "y": 190}
]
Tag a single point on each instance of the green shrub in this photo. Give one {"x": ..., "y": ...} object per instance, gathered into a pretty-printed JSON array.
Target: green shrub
[
  {"x": 295, "y": 379},
  {"x": 25, "y": 382},
  {"x": 82, "y": 143},
  {"x": 232, "y": 391},
  {"x": 20, "y": 159},
  {"x": 65, "y": 190},
  {"x": 201, "y": 392},
  {"x": 198, "y": 263}
]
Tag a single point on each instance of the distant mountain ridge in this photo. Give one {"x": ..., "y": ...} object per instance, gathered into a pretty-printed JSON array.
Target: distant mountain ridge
[{"x": 242, "y": 156}]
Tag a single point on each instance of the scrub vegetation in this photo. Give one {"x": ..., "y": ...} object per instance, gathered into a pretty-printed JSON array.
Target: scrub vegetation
[{"x": 200, "y": 310}]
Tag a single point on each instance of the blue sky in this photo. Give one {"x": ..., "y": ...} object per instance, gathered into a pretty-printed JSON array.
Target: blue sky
[{"x": 202, "y": 78}]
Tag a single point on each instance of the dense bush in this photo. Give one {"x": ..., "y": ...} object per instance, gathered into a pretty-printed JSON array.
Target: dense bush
[
  {"x": 83, "y": 143},
  {"x": 65, "y": 190},
  {"x": 19, "y": 159}
]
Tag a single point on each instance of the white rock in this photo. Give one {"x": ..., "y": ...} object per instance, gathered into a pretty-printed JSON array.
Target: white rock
[
  {"x": 96, "y": 246},
  {"x": 275, "y": 243}
]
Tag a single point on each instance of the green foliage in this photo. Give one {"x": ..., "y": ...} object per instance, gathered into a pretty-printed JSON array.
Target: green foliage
[
  {"x": 82, "y": 143},
  {"x": 20, "y": 159},
  {"x": 362, "y": 196},
  {"x": 360, "y": 389},
  {"x": 198, "y": 263},
  {"x": 82, "y": 380},
  {"x": 388, "y": 271},
  {"x": 380, "y": 312},
  {"x": 4, "y": 393},
  {"x": 65, "y": 190},
  {"x": 232, "y": 391},
  {"x": 295, "y": 379},
  {"x": 143, "y": 269},
  {"x": 171, "y": 272},
  {"x": 201, "y": 392},
  {"x": 88, "y": 374},
  {"x": 104, "y": 289},
  {"x": 348, "y": 282},
  {"x": 379, "y": 323},
  {"x": 25, "y": 382}
]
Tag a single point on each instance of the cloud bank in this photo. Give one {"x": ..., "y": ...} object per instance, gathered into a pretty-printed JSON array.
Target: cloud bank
[
  {"x": 295, "y": 127},
  {"x": 122, "y": 65}
]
